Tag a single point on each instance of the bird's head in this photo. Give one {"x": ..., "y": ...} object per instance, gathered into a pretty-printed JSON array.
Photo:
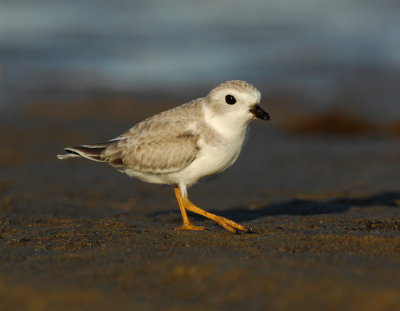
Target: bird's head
[{"x": 236, "y": 100}]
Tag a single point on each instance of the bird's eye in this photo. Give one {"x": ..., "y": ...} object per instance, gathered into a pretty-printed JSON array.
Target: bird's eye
[{"x": 230, "y": 100}]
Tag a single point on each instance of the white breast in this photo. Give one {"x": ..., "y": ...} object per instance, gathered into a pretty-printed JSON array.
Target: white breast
[
  {"x": 212, "y": 159},
  {"x": 215, "y": 156}
]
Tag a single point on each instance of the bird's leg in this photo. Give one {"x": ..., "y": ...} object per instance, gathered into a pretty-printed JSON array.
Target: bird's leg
[
  {"x": 224, "y": 222},
  {"x": 186, "y": 224}
]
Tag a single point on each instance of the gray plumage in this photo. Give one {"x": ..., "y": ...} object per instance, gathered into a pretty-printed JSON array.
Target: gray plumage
[{"x": 162, "y": 143}]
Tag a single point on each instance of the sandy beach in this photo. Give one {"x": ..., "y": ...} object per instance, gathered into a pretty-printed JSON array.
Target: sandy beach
[{"x": 78, "y": 235}]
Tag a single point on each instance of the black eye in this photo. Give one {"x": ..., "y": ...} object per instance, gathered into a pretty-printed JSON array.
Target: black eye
[{"x": 230, "y": 100}]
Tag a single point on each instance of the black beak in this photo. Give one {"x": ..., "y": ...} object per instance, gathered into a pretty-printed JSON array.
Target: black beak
[{"x": 259, "y": 113}]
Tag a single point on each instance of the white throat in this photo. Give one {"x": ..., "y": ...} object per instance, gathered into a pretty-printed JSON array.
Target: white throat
[{"x": 231, "y": 126}]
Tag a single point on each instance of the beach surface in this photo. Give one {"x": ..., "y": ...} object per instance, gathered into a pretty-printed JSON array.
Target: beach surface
[{"x": 323, "y": 201}]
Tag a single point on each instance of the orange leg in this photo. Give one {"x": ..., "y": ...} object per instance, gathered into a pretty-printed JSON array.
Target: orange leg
[
  {"x": 184, "y": 203},
  {"x": 186, "y": 224}
]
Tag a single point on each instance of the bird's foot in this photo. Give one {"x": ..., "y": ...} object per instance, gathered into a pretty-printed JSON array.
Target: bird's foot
[
  {"x": 230, "y": 225},
  {"x": 190, "y": 227}
]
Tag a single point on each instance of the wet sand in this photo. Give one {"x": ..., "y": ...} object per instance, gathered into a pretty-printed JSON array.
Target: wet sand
[{"x": 78, "y": 235}]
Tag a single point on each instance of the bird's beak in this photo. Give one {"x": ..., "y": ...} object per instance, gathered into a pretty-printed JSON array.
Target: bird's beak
[{"x": 259, "y": 113}]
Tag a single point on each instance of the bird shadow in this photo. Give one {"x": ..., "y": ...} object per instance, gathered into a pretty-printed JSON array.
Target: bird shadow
[{"x": 302, "y": 207}]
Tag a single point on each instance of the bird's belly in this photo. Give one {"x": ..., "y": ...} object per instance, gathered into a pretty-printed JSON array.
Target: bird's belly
[
  {"x": 147, "y": 176},
  {"x": 212, "y": 160}
]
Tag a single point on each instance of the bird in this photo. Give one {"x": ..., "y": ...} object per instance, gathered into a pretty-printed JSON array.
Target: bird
[{"x": 182, "y": 145}]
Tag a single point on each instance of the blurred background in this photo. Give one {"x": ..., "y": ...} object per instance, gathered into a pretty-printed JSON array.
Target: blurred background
[{"x": 313, "y": 55}]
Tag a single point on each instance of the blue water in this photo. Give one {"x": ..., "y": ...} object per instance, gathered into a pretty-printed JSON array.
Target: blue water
[{"x": 179, "y": 44}]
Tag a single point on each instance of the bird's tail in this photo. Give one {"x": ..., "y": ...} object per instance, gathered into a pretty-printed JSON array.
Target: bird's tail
[{"x": 92, "y": 152}]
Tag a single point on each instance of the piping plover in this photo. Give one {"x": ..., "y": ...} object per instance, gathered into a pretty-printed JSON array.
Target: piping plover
[{"x": 184, "y": 144}]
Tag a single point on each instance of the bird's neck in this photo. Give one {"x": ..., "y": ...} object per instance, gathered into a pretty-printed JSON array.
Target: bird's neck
[{"x": 230, "y": 128}]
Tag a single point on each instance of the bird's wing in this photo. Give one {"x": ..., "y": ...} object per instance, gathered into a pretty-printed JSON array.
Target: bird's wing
[{"x": 165, "y": 143}]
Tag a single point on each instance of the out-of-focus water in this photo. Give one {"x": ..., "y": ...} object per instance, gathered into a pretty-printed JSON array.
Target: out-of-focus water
[{"x": 167, "y": 45}]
